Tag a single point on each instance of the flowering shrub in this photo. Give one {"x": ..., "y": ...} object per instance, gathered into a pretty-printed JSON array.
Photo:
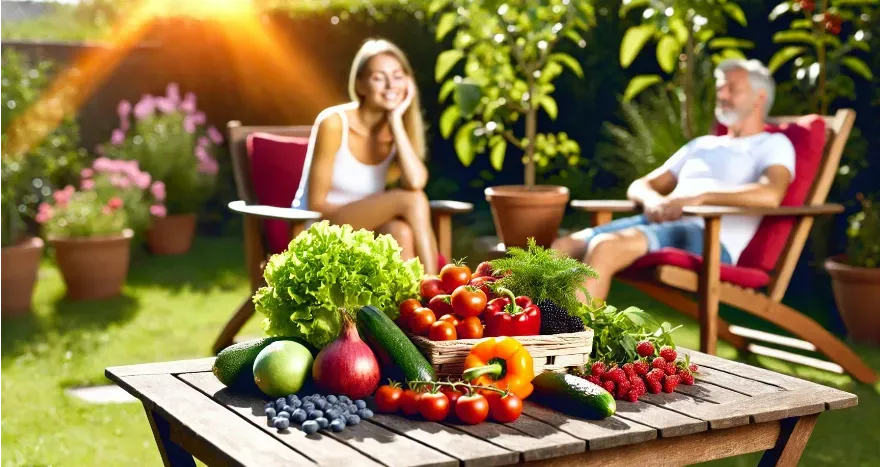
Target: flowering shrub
[
  {"x": 168, "y": 136},
  {"x": 114, "y": 195}
]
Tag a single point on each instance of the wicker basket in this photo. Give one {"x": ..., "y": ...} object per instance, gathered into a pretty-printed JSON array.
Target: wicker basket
[{"x": 554, "y": 352}]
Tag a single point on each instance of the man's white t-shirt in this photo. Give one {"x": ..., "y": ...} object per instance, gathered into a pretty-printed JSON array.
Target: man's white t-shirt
[{"x": 711, "y": 162}]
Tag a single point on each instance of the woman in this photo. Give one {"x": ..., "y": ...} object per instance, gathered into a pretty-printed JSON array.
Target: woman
[{"x": 358, "y": 147}]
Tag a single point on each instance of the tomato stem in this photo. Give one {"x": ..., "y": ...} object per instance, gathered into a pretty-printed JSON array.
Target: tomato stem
[{"x": 468, "y": 386}]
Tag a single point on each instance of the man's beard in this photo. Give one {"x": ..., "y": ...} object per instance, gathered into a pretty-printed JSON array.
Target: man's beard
[{"x": 728, "y": 117}]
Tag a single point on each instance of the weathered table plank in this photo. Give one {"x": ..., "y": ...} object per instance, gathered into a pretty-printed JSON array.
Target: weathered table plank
[
  {"x": 471, "y": 451},
  {"x": 769, "y": 407},
  {"x": 317, "y": 447},
  {"x": 733, "y": 382},
  {"x": 669, "y": 423},
  {"x": 391, "y": 448},
  {"x": 161, "y": 368},
  {"x": 531, "y": 438},
  {"x": 207, "y": 427},
  {"x": 710, "y": 392},
  {"x": 599, "y": 434},
  {"x": 696, "y": 408}
]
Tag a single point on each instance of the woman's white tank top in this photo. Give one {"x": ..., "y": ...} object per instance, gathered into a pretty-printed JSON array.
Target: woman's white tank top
[{"x": 351, "y": 179}]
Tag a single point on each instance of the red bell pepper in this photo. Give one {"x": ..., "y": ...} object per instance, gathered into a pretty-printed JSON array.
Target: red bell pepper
[{"x": 511, "y": 316}]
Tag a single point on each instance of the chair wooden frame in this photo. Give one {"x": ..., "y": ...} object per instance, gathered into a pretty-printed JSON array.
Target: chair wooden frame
[
  {"x": 674, "y": 285},
  {"x": 256, "y": 250}
]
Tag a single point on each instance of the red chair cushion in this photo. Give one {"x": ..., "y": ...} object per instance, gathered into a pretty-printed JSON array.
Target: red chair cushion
[
  {"x": 807, "y": 135},
  {"x": 277, "y": 163},
  {"x": 741, "y": 276}
]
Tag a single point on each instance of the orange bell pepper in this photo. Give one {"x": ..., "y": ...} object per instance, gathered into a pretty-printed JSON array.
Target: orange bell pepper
[{"x": 501, "y": 362}]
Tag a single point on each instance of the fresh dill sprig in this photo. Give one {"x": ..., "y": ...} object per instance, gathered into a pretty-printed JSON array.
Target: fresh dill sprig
[{"x": 541, "y": 273}]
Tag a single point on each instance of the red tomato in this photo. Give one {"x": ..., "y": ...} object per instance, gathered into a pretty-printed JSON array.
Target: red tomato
[
  {"x": 441, "y": 304},
  {"x": 442, "y": 331},
  {"x": 388, "y": 398},
  {"x": 451, "y": 319},
  {"x": 421, "y": 321},
  {"x": 434, "y": 406},
  {"x": 452, "y": 395},
  {"x": 409, "y": 402},
  {"x": 472, "y": 409},
  {"x": 470, "y": 328},
  {"x": 454, "y": 275},
  {"x": 468, "y": 301},
  {"x": 407, "y": 307},
  {"x": 484, "y": 269},
  {"x": 430, "y": 287},
  {"x": 505, "y": 409},
  {"x": 482, "y": 284}
]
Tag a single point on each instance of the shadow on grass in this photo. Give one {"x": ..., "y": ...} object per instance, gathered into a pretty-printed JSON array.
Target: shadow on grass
[{"x": 212, "y": 263}]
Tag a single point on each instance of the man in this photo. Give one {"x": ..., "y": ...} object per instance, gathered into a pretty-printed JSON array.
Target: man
[{"x": 745, "y": 167}]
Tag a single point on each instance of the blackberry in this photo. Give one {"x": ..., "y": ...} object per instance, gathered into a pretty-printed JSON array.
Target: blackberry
[{"x": 556, "y": 320}]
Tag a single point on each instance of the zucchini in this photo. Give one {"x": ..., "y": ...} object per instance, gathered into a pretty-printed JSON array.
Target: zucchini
[
  {"x": 399, "y": 357},
  {"x": 573, "y": 395}
]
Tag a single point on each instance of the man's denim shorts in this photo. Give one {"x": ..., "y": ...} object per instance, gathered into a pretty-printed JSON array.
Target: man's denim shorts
[{"x": 681, "y": 234}]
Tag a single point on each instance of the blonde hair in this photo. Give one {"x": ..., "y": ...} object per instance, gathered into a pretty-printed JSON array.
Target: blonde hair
[{"x": 412, "y": 118}]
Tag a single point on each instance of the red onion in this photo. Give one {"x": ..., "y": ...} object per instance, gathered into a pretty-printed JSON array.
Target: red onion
[{"x": 347, "y": 366}]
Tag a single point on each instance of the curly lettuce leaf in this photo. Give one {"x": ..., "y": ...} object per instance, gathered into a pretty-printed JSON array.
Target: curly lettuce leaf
[{"x": 329, "y": 268}]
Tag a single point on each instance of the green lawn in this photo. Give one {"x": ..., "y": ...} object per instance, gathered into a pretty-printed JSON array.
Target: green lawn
[{"x": 172, "y": 309}]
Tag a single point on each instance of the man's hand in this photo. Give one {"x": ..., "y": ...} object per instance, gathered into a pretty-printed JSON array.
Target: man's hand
[{"x": 669, "y": 208}]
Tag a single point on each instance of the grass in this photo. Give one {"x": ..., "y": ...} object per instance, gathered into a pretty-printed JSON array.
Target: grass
[{"x": 173, "y": 307}]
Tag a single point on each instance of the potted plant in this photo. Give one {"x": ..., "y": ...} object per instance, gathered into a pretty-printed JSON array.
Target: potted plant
[
  {"x": 855, "y": 275},
  {"x": 168, "y": 137},
  {"x": 91, "y": 229},
  {"x": 510, "y": 65},
  {"x": 40, "y": 142}
]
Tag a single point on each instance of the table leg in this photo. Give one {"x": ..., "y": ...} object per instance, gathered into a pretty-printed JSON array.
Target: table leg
[
  {"x": 172, "y": 454},
  {"x": 793, "y": 437}
]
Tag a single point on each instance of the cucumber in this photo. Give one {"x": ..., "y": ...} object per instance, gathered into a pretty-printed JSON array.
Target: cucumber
[
  {"x": 573, "y": 395},
  {"x": 399, "y": 357}
]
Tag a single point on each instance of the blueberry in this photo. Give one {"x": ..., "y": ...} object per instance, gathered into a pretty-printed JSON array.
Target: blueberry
[
  {"x": 321, "y": 404},
  {"x": 362, "y": 413},
  {"x": 344, "y": 399},
  {"x": 308, "y": 407},
  {"x": 287, "y": 408},
  {"x": 368, "y": 414},
  {"x": 331, "y": 414},
  {"x": 281, "y": 423},
  {"x": 352, "y": 420},
  {"x": 310, "y": 427},
  {"x": 322, "y": 422},
  {"x": 284, "y": 414},
  {"x": 296, "y": 404},
  {"x": 299, "y": 415},
  {"x": 360, "y": 404},
  {"x": 291, "y": 398},
  {"x": 332, "y": 399},
  {"x": 315, "y": 414},
  {"x": 270, "y": 412},
  {"x": 281, "y": 401},
  {"x": 269, "y": 404},
  {"x": 337, "y": 425}
]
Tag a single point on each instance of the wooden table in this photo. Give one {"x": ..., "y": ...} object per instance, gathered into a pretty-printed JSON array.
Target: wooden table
[{"x": 732, "y": 409}]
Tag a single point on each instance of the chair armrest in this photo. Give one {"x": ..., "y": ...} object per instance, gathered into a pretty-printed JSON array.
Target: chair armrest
[
  {"x": 607, "y": 205},
  {"x": 272, "y": 212},
  {"x": 450, "y": 207},
  {"x": 803, "y": 211}
]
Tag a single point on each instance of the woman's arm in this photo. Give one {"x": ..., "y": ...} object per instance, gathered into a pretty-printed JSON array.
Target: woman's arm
[
  {"x": 414, "y": 172},
  {"x": 327, "y": 140}
]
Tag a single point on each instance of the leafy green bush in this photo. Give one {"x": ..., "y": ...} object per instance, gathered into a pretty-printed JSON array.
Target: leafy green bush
[{"x": 863, "y": 249}]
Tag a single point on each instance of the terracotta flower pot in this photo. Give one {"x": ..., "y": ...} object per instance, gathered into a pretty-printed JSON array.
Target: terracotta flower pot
[
  {"x": 171, "y": 235},
  {"x": 21, "y": 262},
  {"x": 93, "y": 268},
  {"x": 857, "y": 294},
  {"x": 520, "y": 212}
]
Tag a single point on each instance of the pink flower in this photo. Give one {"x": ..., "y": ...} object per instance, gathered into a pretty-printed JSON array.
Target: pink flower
[
  {"x": 202, "y": 154},
  {"x": 215, "y": 135},
  {"x": 204, "y": 141},
  {"x": 142, "y": 180},
  {"x": 189, "y": 124},
  {"x": 86, "y": 173},
  {"x": 44, "y": 213},
  {"x": 103, "y": 164},
  {"x": 118, "y": 137},
  {"x": 199, "y": 118},
  {"x": 115, "y": 202},
  {"x": 208, "y": 166},
  {"x": 120, "y": 181},
  {"x": 158, "y": 210},
  {"x": 165, "y": 105},
  {"x": 62, "y": 197},
  {"x": 189, "y": 103},
  {"x": 87, "y": 184},
  {"x": 130, "y": 168},
  {"x": 106, "y": 210},
  {"x": 158, "y": 190},
  {"x": 144, "y": 108},
  {"x": 123, "y": 109},
  {"x": 172, "y": 93}
]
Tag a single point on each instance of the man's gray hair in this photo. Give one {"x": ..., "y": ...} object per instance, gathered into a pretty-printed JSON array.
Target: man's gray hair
[{"x": 759, "y": 77}]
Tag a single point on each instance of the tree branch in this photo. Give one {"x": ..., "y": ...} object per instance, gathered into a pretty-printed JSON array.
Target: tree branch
[{"x": 508, "y": 135}]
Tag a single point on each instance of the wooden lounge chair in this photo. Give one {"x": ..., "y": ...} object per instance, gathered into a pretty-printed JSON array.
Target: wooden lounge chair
[
  {"x": 757, "y": 283},
  {"x": 268, "y": 227}
]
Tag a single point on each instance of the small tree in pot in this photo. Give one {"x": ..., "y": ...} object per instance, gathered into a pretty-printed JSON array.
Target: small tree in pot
[
  {"x": 511, "y": 62},
  {"x": 855, "y": 275}
]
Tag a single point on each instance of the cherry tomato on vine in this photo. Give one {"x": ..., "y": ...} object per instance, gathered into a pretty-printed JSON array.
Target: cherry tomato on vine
[
  {"x": 388, "y": 397},
  {"x": 505, "y": 409},
  {"x": 409, "y": 402},
  {"x": 472, "y": 408},
  {"x": 434, "y": 406}
]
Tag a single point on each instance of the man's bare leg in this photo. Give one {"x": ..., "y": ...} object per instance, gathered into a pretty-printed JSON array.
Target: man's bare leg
[{"x": 610, "y": 253}]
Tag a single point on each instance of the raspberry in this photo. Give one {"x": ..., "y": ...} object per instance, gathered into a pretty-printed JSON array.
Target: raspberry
[
  {"x": 597, "y": 369},
  {"x": 670, "y": 383},
  {"x": 632, "y": 396},
  {"x": 655, "y": 375},
  {"x": 641, "y": 367},
  {"x": 693, "y": 367},
  {"x": 638, "y": 386},
  {"x": 595, "y": 380},
  {"x": 645, "y": 349},
  {"x": 615, "y": 374},
  {"x": 659, "y": 362},
  {"x": 670, "y": 369},
  {"x": 686, "y": 377},
  {"x": 654, "y": 387},
  {"x": 668, "y": 353},
  {"x": 629, "y": 370},
  {"x": 609, "y": 386},
  {"x": 622, "y": 389}
]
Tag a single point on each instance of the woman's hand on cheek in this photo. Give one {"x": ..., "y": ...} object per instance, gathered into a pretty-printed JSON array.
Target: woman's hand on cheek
[{"x": 401, "y": 108}]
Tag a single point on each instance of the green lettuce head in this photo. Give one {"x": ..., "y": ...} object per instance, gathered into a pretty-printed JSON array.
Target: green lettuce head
[{"x": 328, "y": 268}]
